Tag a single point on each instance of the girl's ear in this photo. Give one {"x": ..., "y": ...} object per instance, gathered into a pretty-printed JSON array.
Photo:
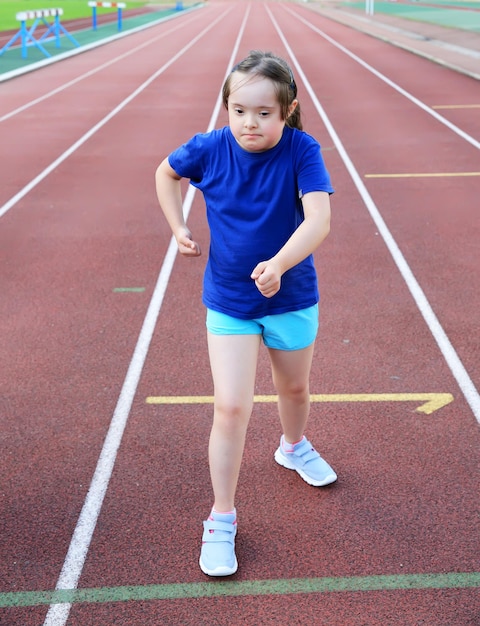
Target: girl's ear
[{"x": 292, "y": 107}]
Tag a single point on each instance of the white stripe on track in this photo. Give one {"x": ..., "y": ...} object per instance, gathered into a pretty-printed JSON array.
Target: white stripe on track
[
  {"x": 53, "y": 166},
  {"x": 448, "y": 351},
  {"x": 77, "y": 552},
  {"x": 95, "y": 70},
  {"x": 419, "y": 103}
]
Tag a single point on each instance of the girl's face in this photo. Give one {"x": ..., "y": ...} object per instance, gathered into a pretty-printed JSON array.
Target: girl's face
[{"x": 254, "y": 113}]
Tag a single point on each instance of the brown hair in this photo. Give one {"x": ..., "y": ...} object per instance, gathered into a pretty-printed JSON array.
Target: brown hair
[{"x": 268, "y": 65}]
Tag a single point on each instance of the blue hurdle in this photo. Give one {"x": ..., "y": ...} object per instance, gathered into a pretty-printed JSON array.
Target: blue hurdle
[
  {"x": 118, "y": 5},
  {"x": 26, "y": 34}
]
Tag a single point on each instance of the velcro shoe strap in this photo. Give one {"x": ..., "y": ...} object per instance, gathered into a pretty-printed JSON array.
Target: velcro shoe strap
[
  {"x": 309, "y": 456},
  {"x": 227, "y": 531}
]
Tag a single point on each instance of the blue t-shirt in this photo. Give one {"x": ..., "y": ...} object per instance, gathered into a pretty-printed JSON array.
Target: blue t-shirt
[{"x": 253, "y": 202}]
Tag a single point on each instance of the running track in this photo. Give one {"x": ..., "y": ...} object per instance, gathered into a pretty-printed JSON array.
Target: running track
[{"x": 104, "y": 474}]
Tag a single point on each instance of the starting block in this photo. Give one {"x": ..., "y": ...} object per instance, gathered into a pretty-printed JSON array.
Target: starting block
[
  {"x": 116, "y": 5},
  {"x": 26, "y": 34}
]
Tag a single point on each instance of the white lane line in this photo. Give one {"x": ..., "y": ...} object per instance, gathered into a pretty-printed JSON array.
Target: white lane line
[
  {"x": 77, "y": 552},
  {"x": 95, "y": 70},
  {"x": 53, "y": 166},
  {"x": 451, "y": 357},
  {"x": 416, "y": 101}
]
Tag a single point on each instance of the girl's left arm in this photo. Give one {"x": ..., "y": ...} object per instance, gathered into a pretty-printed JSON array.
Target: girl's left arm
[{"x": 305, "y": 240}]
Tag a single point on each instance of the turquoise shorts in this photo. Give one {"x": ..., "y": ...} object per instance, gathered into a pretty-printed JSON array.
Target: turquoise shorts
[{"x": 285, "y": 331}]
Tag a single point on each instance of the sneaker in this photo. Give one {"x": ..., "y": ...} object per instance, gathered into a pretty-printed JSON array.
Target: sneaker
[
  {"x": 306, "y": 461},
  {"x": 217, "y": 557}
]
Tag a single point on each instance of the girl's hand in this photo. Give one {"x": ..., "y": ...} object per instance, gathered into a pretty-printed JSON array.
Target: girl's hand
[
  {"x": 267, "y": 277},
  {"x": 186, "y": 245}
]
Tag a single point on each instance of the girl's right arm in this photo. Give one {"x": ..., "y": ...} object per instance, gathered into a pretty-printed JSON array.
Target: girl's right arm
[{"x": 169, "y": 194}]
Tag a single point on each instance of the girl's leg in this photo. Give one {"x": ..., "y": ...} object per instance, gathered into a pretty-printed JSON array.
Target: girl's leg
[
  {"x": 233, "y": 361},
  {"x": 291, "y": 374}
]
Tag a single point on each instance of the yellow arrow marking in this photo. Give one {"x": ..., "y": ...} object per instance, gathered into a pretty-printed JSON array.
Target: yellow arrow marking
[
  {"x": 456, "y": 106},
  {"x": 431, "y": 402},
  {"x": 425, "y": 175}
]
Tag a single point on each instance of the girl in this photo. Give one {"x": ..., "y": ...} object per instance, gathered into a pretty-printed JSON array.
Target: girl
[{"x": 266, "y": 191}]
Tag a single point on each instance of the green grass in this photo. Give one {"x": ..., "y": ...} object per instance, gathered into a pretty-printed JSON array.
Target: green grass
[{"x": 72, "y": 9}]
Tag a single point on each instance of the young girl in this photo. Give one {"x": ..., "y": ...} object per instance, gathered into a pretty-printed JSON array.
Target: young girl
[{"x": 266, "y": 191}]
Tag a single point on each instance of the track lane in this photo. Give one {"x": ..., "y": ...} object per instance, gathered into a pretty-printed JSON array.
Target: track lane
[
  {"x": 194, "y": 425},
  {"x": 36, "y": 84},
  {"x": 146, "y": 450},
  {"x": 430, "y": 149},
  {"x": 99, "y": 224},
  {"x": 28, "y": 93},
  {"x": 428, "y": 78},
  {"x": 58, "y": 122}
]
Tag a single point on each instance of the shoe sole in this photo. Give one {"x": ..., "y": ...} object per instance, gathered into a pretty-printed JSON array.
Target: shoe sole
[
  {"x": 328, "y": 480},
  {"x": 219, "y": 571}
]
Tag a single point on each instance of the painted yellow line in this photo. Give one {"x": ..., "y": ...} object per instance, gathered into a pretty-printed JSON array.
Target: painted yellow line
[
  {"x": 456, "y": 106},
  {"x": 425, "y": 175},
  {"x": 431, "y": 402}
]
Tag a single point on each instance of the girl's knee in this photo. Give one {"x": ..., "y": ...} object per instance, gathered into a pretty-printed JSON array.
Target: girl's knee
[
  {"x": 294, "y": 390},
  {"x": 232, "y": 415}
]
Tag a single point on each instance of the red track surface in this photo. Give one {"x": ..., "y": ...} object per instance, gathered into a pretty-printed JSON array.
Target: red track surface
[{"x": 407, "y": 497}]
